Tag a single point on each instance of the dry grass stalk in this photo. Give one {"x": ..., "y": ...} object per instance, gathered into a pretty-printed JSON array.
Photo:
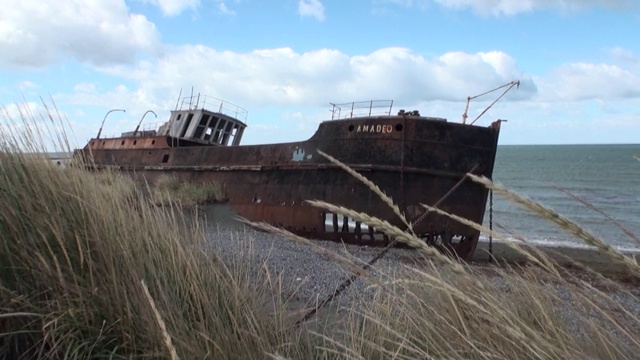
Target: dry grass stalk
[
  {"x": 565, "y": 274},
  {"x": 566, "y": 224},
  {"x": 532, "y": 249},
  {"x": 163, "y": 328},
  {"x": 375, "y": 188},
  {"x": 17, "y": 314},
  {"x": 596, "y": 303},
  {"x": 347, "y": 263},
  {"x": 169, "y": 190},
  {"x": 450, "y": 290},
  {"x": 393, "y": 232},
  {"x": 541, "y": 261},
  {"x": 589, "y": 205},
  {"x": 276, "y": 357},
  {"x": 437, "y": 315}
]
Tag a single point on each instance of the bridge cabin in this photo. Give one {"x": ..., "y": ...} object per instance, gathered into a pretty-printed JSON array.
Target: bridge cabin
[{"x": 194, "y": 121}]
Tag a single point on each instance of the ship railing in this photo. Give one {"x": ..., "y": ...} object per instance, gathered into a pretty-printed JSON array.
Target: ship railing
[
  {"x": 152, "y": 126},
  {"x": 361, "y": 108},
  {"x": 205, "y": 102}
]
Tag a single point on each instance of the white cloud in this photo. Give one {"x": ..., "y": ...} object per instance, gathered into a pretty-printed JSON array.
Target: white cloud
[
  {"x": 313, "y": 8},
  {"x": 26, "y": 85},
  {"x": 305, "y": 83},
  {"x": 34, "y": 33},
  {"x": 174, "y": 7},
  {"x": 177, "y": 7},
  {"x": 285, "y": 77},
  {"x": 118, "y": 97},
  {"x": 222, "y": 7},
  {"x": 625, "y": 58},
  {"x": 14, "y": 113},
  {"x": 584, "y": 81},
  {"x": 513, "y": 7},
  {"x": 302, "y": 83},
  {"x": 423, "y": 4},
  {"x": 274, "y": 78},
  {"x": 85, "y": 88}
]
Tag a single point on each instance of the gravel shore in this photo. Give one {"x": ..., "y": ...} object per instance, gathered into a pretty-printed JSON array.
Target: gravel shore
[{"x": 313, "y": 277}]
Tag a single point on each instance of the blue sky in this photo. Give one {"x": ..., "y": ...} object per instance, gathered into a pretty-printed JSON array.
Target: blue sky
[{"x": 284, "y": 61}]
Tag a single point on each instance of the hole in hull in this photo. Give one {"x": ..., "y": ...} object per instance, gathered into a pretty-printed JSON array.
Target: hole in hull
[{"x": 337, "y": 223}]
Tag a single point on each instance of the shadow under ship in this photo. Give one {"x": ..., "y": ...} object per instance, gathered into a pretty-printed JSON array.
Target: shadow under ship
[{"x": 415, "y": 159}]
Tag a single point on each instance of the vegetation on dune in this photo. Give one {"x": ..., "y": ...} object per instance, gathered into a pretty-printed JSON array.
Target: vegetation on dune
[
  {"x": 77, "y": 258},
  {"x": 91, "y": 268},
  {"x": 169, "y": 190}
]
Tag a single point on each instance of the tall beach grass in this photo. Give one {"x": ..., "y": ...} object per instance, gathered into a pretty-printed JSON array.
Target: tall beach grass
[
  {"x": 169, "y": 189},
  {"x": 90, "y": 268}
]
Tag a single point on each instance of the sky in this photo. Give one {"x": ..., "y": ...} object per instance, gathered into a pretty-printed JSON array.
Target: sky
[{"x": 286, "y": 61}]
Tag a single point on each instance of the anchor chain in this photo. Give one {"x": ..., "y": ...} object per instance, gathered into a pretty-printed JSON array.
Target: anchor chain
[{"x": 490, "y": 224}]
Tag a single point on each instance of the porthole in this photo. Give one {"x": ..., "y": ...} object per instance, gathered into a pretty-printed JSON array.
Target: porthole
[
  {"x": 399, "y": 127},
  {"x": 351, "y": 127}
]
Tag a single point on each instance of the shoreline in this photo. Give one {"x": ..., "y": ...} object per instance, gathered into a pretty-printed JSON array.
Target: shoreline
[{"x": 562, "y": 254}]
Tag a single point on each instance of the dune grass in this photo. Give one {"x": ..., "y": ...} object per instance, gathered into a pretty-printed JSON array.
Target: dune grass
[
  {"x": 168, "y": 190},
  {"x": 90, "y": 268},
  {"x": 86, "y": 271}
]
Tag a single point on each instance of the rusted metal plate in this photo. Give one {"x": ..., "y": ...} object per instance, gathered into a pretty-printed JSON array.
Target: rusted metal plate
[
  {"x": 416, "y": 160},
  {"x": 130, "y": 142}
]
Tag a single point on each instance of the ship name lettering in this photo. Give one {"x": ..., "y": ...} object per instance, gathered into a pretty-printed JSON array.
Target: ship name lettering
[{"x": 382, "y": 129}]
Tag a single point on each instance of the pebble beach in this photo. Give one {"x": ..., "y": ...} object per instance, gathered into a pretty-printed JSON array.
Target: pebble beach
[{"x": 311, "y": 276}]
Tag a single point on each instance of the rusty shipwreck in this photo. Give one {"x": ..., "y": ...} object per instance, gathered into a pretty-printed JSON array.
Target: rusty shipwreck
[{"x": 415, "y": 159}]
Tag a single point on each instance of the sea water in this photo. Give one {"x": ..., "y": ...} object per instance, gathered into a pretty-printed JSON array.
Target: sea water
[{"x": 606, "y": 176}]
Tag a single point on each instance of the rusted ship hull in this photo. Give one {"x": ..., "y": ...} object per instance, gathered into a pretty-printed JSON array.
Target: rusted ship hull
[{"x": 414, "y": 159}]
